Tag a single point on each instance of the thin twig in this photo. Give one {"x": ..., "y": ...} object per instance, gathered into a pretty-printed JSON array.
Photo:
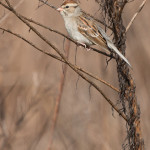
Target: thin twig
[
  {"x": 135, "y": 15},
  {"x": 40, "y": 5},
  {"x": 60, "y": 59},
  {"x": 67, "y": 37},
  {"x": 33, "y": 45},
  {"x": 98, "y": 79},
  {"x": 45, "y": 2},
  {"x": 5, "y": 16},
  {"x": 55, "y": 31}
]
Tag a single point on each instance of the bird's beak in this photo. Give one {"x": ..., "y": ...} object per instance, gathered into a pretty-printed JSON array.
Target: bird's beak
[{"x": 60, "y": 9}]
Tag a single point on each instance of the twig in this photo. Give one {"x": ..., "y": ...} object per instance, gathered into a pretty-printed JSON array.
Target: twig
[
  {"x": 98, "y": 79},
  {"x": 33, "y": 45},
  {"x": 55, "y": 31},
  {"x": 7, "y": 15},
  {"x": 67, "y": 37},
  {"x": 41, "y": 4},
  {"x": 60, "y": 59},
  {"x": 45, "y": 2},
  {"x": 135, "y": 15}
]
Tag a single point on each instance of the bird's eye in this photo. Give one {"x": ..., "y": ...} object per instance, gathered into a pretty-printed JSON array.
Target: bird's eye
[{"x": 67, "y": 6}]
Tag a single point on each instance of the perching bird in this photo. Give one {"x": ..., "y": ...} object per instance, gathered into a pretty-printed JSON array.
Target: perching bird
[{"x": 84, "y": 29}]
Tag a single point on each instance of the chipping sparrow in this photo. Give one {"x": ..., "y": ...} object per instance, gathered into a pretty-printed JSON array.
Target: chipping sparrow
[{"x": 83, "y": 29}]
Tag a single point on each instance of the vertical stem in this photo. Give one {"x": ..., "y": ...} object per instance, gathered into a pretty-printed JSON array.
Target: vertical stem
[
  {"x": 58, "y": 99},
  {"x": 113, "y": 9},
  {"x": 127, "y": 88}
]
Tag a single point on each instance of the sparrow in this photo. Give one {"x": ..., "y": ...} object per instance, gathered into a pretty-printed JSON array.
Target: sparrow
[{"x": 83, "y": 29}]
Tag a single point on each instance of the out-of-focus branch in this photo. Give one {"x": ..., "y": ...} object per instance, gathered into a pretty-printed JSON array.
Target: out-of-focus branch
[
  {"x": 66, "y": 61},
  {"x": 57, "y": 103},
  {"x": 135, "y": 15},
  {"x": 2, "y": 111}
]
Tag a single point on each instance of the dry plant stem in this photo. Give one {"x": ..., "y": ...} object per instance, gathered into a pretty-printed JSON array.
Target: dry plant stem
[
  {"x": 135, "y": 15},
  {"x": 57, "y": 104},
  {"x": 126, "y": 83},
  {"x": 67, "y": 62},
  {"x": 60, "y": 59}
]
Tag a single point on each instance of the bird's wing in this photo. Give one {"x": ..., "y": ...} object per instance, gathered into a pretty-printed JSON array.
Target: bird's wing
[
  {"x": 89, "y": 29},
  {"x": 112, "y": 46},
  {"x": 96, "y": 34}
]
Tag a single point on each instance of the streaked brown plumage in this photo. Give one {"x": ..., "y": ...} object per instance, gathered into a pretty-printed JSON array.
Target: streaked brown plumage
[{"x": 84, "y": 29}]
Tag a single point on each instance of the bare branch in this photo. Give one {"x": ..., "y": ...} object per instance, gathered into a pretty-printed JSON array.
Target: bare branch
[
  {"x": 55, "y": 31},
  {"x": 135, "y": 15},
  {"x": 67, "y": 37},
  {"x": 45, "y": 2},
  {"x": 64, "y": 58},
  {"x": 58, "y": 99},
  {"x": 5, "y": 16},
  {"x": 60, "y": 59},
  {"x": 66, "y": 61}
]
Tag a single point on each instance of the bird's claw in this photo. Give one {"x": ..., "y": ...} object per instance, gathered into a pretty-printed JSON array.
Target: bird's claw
[{"x": 85, "y": 46}]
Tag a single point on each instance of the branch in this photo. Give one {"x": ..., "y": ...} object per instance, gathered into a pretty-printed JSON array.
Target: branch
[
  {"x": 5, "y": 16},
  {"x": 60, "y": 59},
  {"x": 57, "y": 104},
  {"x": 67, "y": 37},
  {"x": 135, "y": 15},
  {"x": 67, "y": 62},
  {"x": 59, "y": 33},
  {"x": 45, "y": 2}
]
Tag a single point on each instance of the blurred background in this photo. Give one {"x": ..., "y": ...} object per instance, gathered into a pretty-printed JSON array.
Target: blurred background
[{"x": 30, "y": 84}]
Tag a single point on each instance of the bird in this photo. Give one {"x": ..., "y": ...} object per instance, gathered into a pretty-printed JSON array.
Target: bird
[{"x": 83, "y": 29}]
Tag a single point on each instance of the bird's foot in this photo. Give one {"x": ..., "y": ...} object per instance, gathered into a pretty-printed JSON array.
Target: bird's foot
[{"x": 85, "y": 46}]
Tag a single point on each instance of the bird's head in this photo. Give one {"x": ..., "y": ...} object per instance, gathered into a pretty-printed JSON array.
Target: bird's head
[{"x": 69, "y": 8}]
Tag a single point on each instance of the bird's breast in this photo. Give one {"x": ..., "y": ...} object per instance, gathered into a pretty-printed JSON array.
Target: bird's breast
[{"x": 72, "y": 28}]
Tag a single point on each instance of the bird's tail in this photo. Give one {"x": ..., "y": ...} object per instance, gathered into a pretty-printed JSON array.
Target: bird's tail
[{"x": 113, "y": 47}]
